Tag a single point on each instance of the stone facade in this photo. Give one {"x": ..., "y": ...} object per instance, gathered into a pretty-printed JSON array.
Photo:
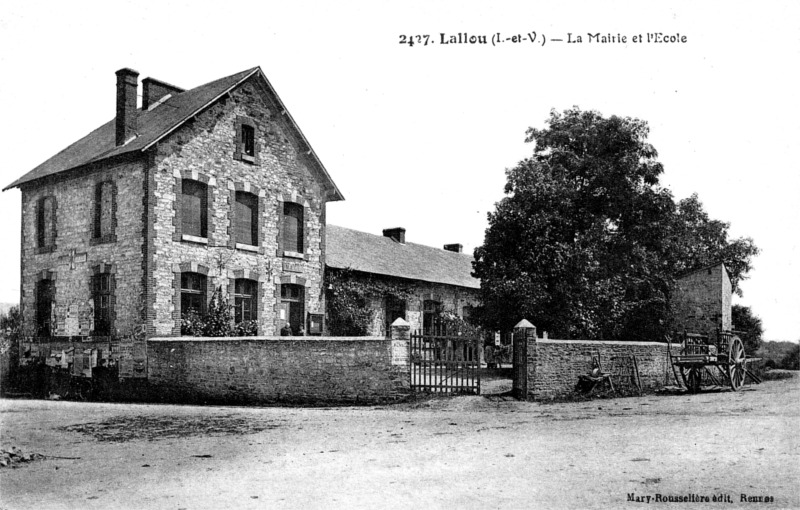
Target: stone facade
[
  {"x": 77, "y": 254},
  {"x": 142, "y": 246},
  {"x": 702, "y": 300},
  {"x": 204, "y": 150}
]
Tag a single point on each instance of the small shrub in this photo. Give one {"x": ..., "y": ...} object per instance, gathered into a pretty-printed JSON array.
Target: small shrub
[{"x": 246, "y": 328}]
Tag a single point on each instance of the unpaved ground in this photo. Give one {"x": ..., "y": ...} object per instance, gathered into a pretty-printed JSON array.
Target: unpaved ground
[{"x": 464, "y": 452}]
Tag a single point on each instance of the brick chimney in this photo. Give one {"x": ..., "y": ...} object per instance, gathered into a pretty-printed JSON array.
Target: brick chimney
[
  {"x": 153, "y": 90},
  {"x": 454, "y": 247},
  {"x": 127, "y": 83},
  {"x": 398, "y": 234}
]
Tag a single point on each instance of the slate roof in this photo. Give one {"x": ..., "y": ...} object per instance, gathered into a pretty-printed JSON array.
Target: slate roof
[
  {"x": 369, "y": 253},
  {"x": 152, "y": 126}
]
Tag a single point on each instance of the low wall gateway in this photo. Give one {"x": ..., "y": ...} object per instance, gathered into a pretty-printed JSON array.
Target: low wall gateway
[
  {"x": 554, "y": 366},
  {"x": 279, "y": 369}
]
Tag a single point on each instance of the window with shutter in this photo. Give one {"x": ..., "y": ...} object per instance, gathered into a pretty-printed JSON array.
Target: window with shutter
[
  {"x": 46, "y": 223},
  {"x": 293, "y": 227},
  {"x": 104, "y": 210},
  {"x": 194, "y": 208},
  {"x": 246, "y": 218}
]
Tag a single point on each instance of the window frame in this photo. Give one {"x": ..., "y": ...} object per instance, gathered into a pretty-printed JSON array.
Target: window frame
[
  {"x": 200, "y": 192},
  {"x": 103, "y": 323},
  {"x": 299, "y": 236},
  {"x": 188, "y": 294},
  {"x": 392, "y": 305},
  {"x": 45, "y": 244},
  {"x": 430, "y": 309},
  {"x": 241, "y": 152},
  {"x": 240, "y": 200},
  {"x": 241, "y": 297},
  {"x": 98, "y": 236},
  {"x": 44, "y": 325}
]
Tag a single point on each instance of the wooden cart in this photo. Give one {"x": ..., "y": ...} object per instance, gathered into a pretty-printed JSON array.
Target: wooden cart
[{"x": 724, "y": 351}]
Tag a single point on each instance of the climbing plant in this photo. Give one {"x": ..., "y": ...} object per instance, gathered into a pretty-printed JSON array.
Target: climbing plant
[{"x": 348, "y": 297}]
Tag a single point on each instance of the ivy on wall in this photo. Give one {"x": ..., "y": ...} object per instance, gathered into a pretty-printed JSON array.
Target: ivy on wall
[{"x": 348, "y": 296}]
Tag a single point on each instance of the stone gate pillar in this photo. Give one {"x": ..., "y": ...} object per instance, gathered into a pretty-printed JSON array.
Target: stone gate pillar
[{"x": 524, "y": 360}]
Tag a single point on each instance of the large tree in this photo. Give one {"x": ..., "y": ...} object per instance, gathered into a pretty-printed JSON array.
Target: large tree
[
  {"x": 586, "y": 243},
  {"x": 749, "y": 326}
]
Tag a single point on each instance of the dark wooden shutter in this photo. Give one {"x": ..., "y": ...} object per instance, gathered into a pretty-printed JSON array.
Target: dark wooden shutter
[
  {"x": 293, "y": 227},
  {"x": 194, "y": 208},
  {"x": 246, "y": 218},
  {"x": 104, "y": 209}
]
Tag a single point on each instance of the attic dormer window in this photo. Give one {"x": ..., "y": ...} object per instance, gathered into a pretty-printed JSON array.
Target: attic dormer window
[{"x": 246, "y": 148}]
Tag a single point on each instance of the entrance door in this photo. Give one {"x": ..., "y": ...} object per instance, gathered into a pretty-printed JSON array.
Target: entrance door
[{"x": 292, "y": 300}]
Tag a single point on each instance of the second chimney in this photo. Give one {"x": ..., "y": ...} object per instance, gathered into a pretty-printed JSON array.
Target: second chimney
[
  {"x": 153, "y": 90},
  {"x": 398, "y": 234},
  {"x": 453, "y": 247},
  {"x": 127, "y": 84}
]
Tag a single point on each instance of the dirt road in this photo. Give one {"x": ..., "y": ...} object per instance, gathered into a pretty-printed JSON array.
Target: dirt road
[{"x": 464, "y": 452}]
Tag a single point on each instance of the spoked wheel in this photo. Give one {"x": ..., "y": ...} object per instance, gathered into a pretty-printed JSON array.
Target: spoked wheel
[
  {"x": 691, "y": 378},
  {"x": 736, "y": 363}
]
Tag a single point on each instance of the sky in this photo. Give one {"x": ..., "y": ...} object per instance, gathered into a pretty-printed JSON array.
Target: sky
[{"x": 420, "y": 136}]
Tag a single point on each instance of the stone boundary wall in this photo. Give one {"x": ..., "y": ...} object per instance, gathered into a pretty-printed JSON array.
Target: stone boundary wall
[
  {"x": 555, "y": 365},
  {"x": 346, "y": 370}
]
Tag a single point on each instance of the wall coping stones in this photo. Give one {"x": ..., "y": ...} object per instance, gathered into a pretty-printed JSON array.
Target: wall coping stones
[
  {"x": 601, "y": 342},
  {"x": 310, "y": 339}
]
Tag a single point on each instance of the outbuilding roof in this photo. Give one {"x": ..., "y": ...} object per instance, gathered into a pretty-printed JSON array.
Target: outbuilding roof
[
  {"x": 369, "y": 253},
  {"x": 155, "y": 124}
]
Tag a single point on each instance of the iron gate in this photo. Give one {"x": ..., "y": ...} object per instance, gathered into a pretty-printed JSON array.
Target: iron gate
[{"x": 445, "y": 364}]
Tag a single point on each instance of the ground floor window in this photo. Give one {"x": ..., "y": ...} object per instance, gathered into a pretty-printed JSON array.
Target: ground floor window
[
  {"x": 193, "y": 293},
  {"x": 101, "y": 293},
  {"x": 245, "y": 298},
  {"x": 45, "y": 296},
  {"x": 430, "y": 316},
  {"x": 395, "y": 309}
]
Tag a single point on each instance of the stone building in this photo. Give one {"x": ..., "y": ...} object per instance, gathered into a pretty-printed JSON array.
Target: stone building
[
  {"x": 434, "y": 280},
  {"x": 196, "y": 192},
  {"x": 702, "y": 300}
]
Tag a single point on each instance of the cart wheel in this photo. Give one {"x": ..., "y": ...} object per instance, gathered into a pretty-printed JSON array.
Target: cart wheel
[
  {"x": 736, "y": 363},
  {"x": 691, "y": 378}
]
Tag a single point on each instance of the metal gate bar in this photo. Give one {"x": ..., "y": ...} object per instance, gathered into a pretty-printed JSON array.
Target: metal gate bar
[{"x": 445, "y": 364}]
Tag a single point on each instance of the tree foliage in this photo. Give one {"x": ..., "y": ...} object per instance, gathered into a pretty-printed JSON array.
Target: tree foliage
[
  {"x": 586, "y": 243},
  {"x": 750, "y": 327}
]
